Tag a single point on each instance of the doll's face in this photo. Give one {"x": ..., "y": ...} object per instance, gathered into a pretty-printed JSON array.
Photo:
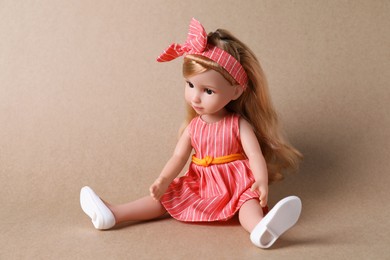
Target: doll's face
[{"x": 209, "y": 92}]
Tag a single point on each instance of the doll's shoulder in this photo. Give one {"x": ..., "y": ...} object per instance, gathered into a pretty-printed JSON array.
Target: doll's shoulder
[
  {"x": 244, "y": 124},
  {"x": 245, "y": 127}
]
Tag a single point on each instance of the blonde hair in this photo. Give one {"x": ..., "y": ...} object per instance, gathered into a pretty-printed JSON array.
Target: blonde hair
[{"x": 254, "y": 105}]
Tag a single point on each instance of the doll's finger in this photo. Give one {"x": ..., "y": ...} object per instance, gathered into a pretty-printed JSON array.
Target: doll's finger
[
  {"x": 254, "y": 187},
  {"x": 155, "y": 195},
  {"x": 152, "y": 191},
  {"x": 156, "y": 198},
  {"x": 263, "y": 202},
  {"x": 263, "y": 199}
]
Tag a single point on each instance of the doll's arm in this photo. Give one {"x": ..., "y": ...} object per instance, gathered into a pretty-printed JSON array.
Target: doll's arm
[
  {"x": 257, "y": 162},
  {"x": 173, "y": 167}
]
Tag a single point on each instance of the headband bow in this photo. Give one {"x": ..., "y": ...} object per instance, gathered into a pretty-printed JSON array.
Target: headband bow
[{"x": 196, "y": 43}]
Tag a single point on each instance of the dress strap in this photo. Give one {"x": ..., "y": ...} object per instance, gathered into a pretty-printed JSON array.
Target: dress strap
[{"x": 209, "y": 160}]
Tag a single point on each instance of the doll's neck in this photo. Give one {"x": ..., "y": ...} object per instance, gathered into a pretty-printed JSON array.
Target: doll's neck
[{"x": 212, "y": 118}]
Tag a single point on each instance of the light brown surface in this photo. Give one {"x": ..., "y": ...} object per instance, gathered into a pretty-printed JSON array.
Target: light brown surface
[{"x": 83, "y": 102}]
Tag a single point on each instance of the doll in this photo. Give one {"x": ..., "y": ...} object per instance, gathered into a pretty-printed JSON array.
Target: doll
[{"x": 238, "y": 149}]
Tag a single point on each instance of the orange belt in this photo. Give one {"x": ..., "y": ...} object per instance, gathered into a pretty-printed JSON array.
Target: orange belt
[{"x": 208, "y": 160}]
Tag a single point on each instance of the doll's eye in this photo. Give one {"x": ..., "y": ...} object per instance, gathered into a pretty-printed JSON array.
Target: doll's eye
[
  {"x": 209, "y": 91},
  {"x": 190, "y": 84}
]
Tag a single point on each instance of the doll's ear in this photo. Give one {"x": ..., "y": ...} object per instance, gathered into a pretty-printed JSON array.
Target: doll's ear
[{"x": 238, "y": 90}]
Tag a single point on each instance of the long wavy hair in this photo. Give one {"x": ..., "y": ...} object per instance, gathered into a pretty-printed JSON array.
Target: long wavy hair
[{"x": 254, "y": 105}]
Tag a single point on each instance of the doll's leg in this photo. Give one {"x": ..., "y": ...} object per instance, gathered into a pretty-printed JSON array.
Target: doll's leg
[
  {"x": 145, "y": 208},
  {"x": 105, "y": 216},
  {"x": 250, "y": 214}
]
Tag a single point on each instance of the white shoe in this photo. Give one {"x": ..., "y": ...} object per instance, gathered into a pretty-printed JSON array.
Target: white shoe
[
  {"x": 94, "y": 207},
  {"x": 278, "y": 220}
]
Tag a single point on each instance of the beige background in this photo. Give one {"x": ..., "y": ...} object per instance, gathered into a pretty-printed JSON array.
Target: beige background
[{"x": 83, "y": 102}]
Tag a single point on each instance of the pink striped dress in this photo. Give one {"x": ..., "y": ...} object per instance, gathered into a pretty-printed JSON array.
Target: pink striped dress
[{"x": 215, "y": 192}]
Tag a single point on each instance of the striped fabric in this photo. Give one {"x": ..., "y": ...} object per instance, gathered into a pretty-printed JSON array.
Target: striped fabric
[
  {"x": 196, "y": 43},
  {"x": 215, "y": 192}
]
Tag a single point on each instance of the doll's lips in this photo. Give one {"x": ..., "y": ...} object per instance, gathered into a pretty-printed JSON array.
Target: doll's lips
[{"x": 197, "y": 108}]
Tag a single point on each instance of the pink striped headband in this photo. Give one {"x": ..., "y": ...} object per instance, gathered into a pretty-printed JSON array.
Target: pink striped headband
[{"x": 196, "y": 43}]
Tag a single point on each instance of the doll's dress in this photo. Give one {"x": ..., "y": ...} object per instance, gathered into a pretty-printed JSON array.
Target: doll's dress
[{"x": 217, "y": 191}]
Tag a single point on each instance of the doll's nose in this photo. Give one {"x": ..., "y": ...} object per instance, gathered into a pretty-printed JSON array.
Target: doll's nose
[{"x": 196, "y": 98}]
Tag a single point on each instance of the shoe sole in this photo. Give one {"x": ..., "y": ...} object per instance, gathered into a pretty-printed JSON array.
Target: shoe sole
[{"x": 281, "y": 218}]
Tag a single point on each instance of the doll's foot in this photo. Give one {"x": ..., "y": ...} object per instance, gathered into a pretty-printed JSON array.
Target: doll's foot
[
  {"x": 94, "y": 207},
  {"x": 281, "y": 218}
]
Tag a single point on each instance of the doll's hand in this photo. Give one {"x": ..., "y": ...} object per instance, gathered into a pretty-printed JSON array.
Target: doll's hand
[
  {"x": 158, "y": 188},
  {"x": 262, "y": 189}
]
